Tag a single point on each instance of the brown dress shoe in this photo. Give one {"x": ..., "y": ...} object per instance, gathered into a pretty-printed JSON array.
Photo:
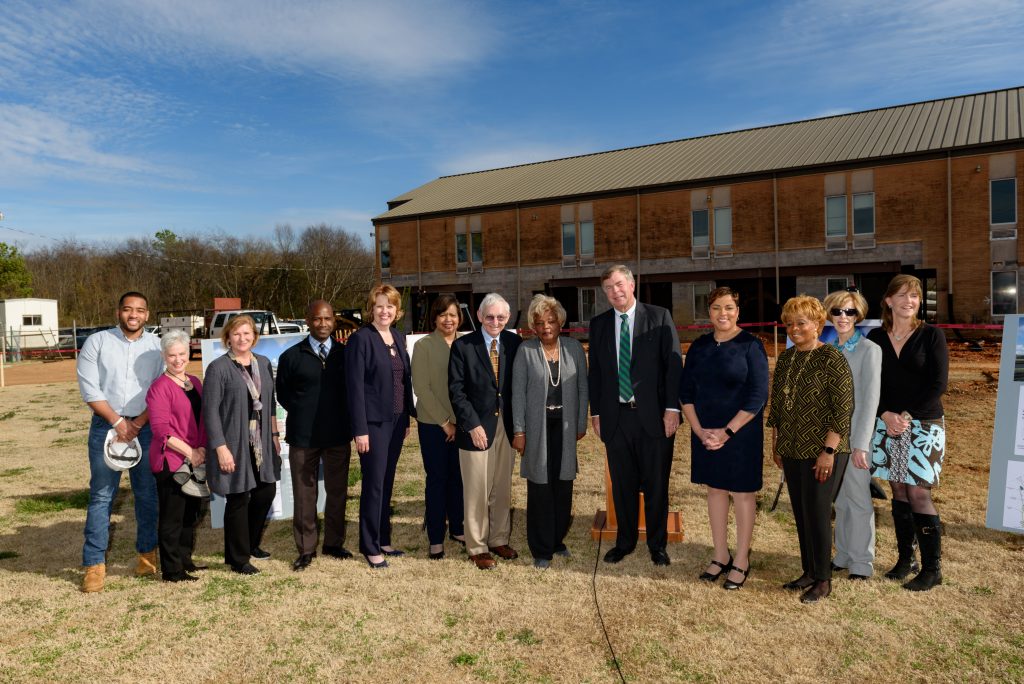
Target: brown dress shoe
[
  {"x": 94, "y": 576},
  {"x": 505, "y": 552},
  {"x": 483, "y": 561},
  {"x": 146, "y": 564}
]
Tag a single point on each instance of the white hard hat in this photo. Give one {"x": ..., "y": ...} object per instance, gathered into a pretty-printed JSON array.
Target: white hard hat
[{"x": 121, "y": 455}]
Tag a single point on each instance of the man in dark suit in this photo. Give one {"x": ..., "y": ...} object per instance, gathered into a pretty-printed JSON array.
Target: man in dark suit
[
  {"x": 311, "y": 387},
  {"x": 480, "y": 387},
  {"x": 635, "y": 367}
]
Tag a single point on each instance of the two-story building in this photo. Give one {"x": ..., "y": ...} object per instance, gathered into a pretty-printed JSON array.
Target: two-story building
[{"x": 808, "y": 207}]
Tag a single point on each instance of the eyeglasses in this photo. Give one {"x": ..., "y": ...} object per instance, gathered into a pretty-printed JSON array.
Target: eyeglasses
[
  {"x": 852, "y": 289},
  {"x": 852, "y": 313},
  {"x": 496, "y": 319}
]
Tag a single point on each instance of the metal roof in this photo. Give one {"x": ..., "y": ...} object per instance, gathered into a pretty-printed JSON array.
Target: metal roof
[{"x": 924, "y": 127}]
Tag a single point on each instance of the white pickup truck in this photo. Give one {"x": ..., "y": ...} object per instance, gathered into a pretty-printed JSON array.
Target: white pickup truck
[{"x": 266, "y": 322}]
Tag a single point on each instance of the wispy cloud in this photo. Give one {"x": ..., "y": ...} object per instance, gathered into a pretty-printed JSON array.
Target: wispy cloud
[
  {"x": 35, "y": 143},
  {"x": 892, "y": 45},
  {"x": 379, "y": 41}
]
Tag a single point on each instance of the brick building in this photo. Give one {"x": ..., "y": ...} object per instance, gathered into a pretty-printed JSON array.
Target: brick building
[{"x": 806, "y": 207}]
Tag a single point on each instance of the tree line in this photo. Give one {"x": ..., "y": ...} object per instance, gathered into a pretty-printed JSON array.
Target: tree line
[{"x": 180, "y": 274}]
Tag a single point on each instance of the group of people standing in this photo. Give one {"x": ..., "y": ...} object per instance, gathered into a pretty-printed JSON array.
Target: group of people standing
[{"x": 871, "y": 401}]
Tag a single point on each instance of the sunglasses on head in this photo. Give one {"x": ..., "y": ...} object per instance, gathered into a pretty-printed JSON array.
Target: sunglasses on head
[{"x": 852, "y": 313}]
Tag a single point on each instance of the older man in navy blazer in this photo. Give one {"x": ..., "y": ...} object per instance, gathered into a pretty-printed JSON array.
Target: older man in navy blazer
[
  {"x": 635, "y": 367},
  {"x": 480, "y": 386}
]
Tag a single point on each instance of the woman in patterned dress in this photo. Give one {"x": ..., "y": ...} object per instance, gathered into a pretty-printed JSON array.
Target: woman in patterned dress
[{"x": 910, "y": 435}]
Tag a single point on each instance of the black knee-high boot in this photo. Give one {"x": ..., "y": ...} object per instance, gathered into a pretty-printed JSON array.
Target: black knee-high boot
[
  {"x": 903, "y": 523},
  {"x": 929, "y": 535}
]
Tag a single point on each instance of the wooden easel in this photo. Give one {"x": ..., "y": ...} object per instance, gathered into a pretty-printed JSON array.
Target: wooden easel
[{"x": 606, "y": 527}]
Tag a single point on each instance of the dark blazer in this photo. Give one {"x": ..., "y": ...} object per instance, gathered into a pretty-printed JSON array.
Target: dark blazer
[
  {"x": 314, "y": 395},
  {"x": 474, "y": 394},
  {"x": 655, "y": 368},
  {"x": 369, "y": 379}
]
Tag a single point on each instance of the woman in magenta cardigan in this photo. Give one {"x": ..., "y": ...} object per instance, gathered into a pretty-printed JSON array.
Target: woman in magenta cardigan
[{"x": 175, "y": 414}]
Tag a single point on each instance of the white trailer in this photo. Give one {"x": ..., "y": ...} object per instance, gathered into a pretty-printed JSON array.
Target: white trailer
[{"x": 29, "y": 323}]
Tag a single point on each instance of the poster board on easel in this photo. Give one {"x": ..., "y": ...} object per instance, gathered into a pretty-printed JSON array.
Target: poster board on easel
[{"x": 1006, "y": 473}]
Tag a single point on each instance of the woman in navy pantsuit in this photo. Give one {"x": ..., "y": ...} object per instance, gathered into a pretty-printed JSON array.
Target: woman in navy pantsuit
[{"x": 380, "y": 402}]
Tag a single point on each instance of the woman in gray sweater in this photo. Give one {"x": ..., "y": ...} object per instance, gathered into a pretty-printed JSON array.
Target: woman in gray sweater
[
  {"x": 240, "y": 413},
  {"x": 549, "y": 415},
  {"x": 855, "y": 514}
]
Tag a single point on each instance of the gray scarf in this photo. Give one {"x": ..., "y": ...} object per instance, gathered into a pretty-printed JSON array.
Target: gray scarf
[{"x": 254, "y": 384}]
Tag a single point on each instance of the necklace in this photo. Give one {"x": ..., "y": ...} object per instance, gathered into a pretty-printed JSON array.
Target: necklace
[
  {"x": 555, "y": 381},
  {"x": 789, "y": 389},
  {"x": 186, "y": 384},
  {"x": 899, "y": 338}
]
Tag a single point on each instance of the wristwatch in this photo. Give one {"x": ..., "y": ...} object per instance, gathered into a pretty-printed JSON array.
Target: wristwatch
[
  {"x": 829, "y": 450},
  {"x": 729, "y": 431}
]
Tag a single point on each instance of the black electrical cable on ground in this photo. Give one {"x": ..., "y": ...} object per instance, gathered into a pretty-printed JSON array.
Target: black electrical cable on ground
[{"x": 597, "y": 606}]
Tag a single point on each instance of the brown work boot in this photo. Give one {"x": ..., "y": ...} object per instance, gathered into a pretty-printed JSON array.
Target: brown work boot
[
  {"x": 94, "y": 576},
  {"x": 146, "y": 564}
]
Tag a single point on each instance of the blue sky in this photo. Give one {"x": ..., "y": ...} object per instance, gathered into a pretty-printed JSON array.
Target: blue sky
[{"x": 123, "y": 117}]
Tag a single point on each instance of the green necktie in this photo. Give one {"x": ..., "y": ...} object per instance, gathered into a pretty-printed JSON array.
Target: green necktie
[{"x": 625, "y": 384}]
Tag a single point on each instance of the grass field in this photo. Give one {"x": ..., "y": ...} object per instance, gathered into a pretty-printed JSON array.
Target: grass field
[{"x": 427, "y": 621}]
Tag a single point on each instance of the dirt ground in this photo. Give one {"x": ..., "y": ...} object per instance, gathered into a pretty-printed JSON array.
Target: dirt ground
[
  {"x": 429, "y": 621},
  {"x": 47, "y": 372}
]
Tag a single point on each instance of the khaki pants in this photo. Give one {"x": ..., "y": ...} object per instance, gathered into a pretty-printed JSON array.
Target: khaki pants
[{"x": 487, "y": 493}]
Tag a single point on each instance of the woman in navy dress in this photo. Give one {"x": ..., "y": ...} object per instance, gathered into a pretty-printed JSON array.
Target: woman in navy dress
[{"x": 723, "y": 392}]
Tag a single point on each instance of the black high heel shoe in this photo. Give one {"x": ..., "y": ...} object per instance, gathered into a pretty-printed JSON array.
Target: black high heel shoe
[
  {"x": 730, "y": 585},
  {"x": 725, "y": 568}
]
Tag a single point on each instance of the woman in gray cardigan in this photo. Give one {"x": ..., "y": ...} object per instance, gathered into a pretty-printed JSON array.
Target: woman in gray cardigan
[
  {"x": 239, "y": 410},
  {"x": 855, "y": 513},
  {"x": 549, "y": 415}
]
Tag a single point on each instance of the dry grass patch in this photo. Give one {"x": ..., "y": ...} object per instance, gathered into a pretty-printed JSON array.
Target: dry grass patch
[{"x": 429, "y": 621}]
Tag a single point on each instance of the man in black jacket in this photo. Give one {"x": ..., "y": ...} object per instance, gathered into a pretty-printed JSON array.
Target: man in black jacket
[
  {"x": 311, "y": 387},
  {"x": 480, "y": 387},
  {"x": 635, "y": 366}
]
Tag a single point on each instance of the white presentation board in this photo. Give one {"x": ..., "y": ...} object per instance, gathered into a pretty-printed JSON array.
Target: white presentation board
[{"x": 1006, "y": 474}]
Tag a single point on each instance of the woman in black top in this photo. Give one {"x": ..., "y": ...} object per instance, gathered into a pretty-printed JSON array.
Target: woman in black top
[{"x": 910, "y": 438}]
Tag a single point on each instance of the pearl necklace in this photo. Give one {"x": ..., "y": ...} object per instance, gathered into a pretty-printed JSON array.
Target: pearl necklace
[{"x": 553, "y": 380}]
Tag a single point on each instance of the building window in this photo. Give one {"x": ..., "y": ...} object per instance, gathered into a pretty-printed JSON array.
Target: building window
[
  {"x": 864, "y": 214},
  {"x": 835, "y": 216},
  {"x": 700, "y": 233},
  {"x": 384, "y": 247},
  {"x": 461, "y": 249},
  {"x": 588, "y": 303},
  {"x": 1003, "y": 200},
  {"x": 569, "y": 244},
  {"x": 700, "y": 300},
  {"x": 469, "y": 244},
  {"x": 835, "y": 284},
  {"x": 477, "y": 248},
  {"x": 723, "y": 229},
  {"x": 1004, "y": 293},
  {"x": 31, "y": 320},
  {"x": 578, "y": 234}
]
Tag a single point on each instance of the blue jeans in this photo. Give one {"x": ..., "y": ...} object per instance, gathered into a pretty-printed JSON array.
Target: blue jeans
[{"x": 103, "y": 486}]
